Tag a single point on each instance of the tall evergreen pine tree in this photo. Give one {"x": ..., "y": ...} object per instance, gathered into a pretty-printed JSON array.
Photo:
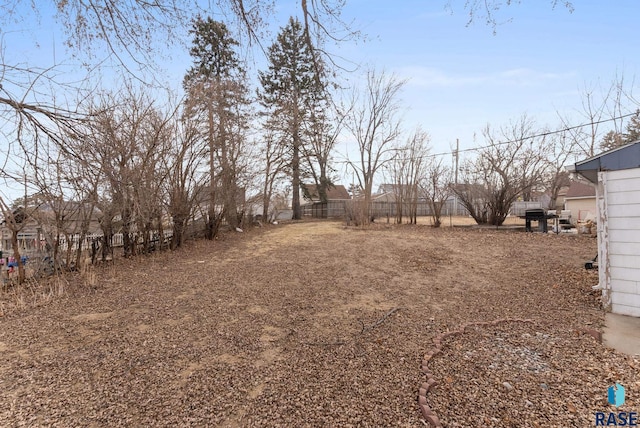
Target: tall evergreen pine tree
[
  {"x": 289, "y": 87},
  {"x": 217, "y": 91}
]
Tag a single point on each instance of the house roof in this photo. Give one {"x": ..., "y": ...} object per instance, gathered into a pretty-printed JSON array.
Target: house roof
[
  {"x": 337, "y": 191},
  {"x": 563, "y": 191},
  {"x": 625, "y": 157},
  {"x": 580, "y": 190},
  {"x": 393, "y": 188},
  {"x": 384, "y": 197},
  {"x": 386, "y": 188},
  {"x": 72, "y": 215}
]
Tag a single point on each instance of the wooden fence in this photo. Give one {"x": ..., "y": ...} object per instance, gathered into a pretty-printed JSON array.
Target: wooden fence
[
  {"x": 117, "y": 240},
  {"x": 35, "y": 243},
  {"x": 379, "y": 209}
]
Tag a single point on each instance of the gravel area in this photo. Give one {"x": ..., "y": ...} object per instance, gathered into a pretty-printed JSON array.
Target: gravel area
[{"x": 314, "y": 324}]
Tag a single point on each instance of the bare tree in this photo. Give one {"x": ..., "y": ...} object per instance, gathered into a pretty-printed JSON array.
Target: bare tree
[
  {"x": 39, "y": 154},
  {"x": 558, "y": 152},
  {"x": 15, "y": 220},
  {"x": 397, "y": 168},
  {"x": 509, "y": 166},
  {"x": 600, "y": 105},
  {"x": 408, "y": 168},
  {"x": 322, "y": 130},
  {"x": 373, "y": 121},
  {"x": 184, "y": 167},
  {"x": 59, "y": 216},
  {"x": 128, "y": 30},
  {"x": 487, "y": 11},
  {"x": 149, "y": 177},
  {"x": 275, "y": 162},
  {"x": 280, "y": 201},
  {"x": 126, "y": 141},
  {"x": 436, "y": 187}
]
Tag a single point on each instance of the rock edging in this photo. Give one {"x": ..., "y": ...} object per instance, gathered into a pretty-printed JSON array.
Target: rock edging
[{"x": 430, "y": 382}]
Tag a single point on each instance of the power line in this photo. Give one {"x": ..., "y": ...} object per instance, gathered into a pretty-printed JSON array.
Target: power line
[{"x": 542, "y": 134}]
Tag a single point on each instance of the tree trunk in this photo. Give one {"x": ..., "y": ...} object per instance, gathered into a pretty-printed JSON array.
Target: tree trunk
[
  {"x": 178, "y": 231},
  {"x": 107, "y": 239},
  {"x": 295, "y": 184},
  {"x": 16, "y": 256},
  {"x": 210, "y": 230},
  {"x": 69, "y": 250},
  {"x": 323, "y": 187},
  {"x": 56, "y": 251},
  {"x": 367, "y": 202},
  {"x": 126, "y": 241},
  {"x": 265, "y": 208},
  {"x": 230, "y": 203},
  {"x": 210, "y": 227},
  {"x": 78, "y": 257},
  {"x": 228, "y": 188}
]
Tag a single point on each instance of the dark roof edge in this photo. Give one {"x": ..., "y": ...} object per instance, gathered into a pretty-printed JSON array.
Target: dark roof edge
[{"x": 610, "y": 160}]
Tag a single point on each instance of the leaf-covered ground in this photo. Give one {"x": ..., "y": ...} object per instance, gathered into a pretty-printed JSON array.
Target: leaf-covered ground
[{"x": 315, "y": 324}]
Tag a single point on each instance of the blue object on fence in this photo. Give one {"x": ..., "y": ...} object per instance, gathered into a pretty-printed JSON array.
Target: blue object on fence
[{"x": 13, "y": 263}]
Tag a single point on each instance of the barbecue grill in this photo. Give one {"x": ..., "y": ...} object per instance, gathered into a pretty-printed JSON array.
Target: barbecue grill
[{"x": 540, "y": 215}]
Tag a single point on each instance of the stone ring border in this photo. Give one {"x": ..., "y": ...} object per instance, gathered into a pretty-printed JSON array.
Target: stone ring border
[{"x": 430, "y": 381}]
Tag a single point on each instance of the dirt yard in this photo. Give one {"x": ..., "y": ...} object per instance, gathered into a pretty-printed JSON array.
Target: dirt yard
[{"x": 314, "y": 324}]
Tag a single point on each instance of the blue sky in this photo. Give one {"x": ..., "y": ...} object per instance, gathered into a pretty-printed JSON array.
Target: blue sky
[
  {"x": 462, "y": 77},
  {"x": 459, "y": 78},
  {"x": 538, "y": 62}
]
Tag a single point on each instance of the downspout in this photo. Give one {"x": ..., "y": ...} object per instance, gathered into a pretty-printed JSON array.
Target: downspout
[{"x": 604, "y": 269}]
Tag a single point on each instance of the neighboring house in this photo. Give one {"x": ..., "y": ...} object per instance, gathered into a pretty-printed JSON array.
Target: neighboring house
[
  {"x": 561, "y": 198},
  {"x": 616, "y": 174},
  {"x": 386, "y": 188},
  {"x": 519, "y": 208},
  {"x": 203, "y": 200},
  {"x": 334, "y": 193},
  {"x": 392, "y": 190},
  {"x": 38, "y": 225},
  {"x": 384, "y": 197},
  {"x": 580, "y": 199},
  {"x": 454, "y": 206},
  {"x": 337, "y": 197},
  {"x": 385, "y": 200},
  {"x": 393, "y": 198},
  {"x": 30, "y": 235}
]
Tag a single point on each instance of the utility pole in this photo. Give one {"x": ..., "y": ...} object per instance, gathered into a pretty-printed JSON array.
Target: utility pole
[
  {"x": 455, "y": 197},
  {"x": 457, "y": 157}
]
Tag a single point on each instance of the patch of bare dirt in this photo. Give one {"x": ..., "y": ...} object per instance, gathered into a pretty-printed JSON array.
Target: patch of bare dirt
[{"x": 315, "y": 324}]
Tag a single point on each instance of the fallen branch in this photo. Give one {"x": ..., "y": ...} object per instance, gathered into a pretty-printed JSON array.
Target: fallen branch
[
  {"x": 380, "y": 321},
  {"x": 339, "y": 342}
]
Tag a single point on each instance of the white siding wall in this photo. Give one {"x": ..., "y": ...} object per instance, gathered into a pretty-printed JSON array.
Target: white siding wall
[{"x": 623, "y": 222}]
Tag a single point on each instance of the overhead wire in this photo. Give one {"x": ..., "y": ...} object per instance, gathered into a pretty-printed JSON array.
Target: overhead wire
[{"x": 538, "y": 135}]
